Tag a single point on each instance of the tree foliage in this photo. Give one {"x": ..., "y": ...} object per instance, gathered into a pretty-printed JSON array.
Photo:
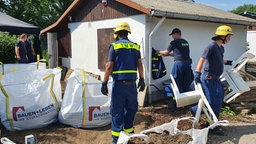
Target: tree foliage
[
  {"x": 7, "y": 43},
  {"x": 245, "y": 8},
  {"x": 41, "y": 13}
]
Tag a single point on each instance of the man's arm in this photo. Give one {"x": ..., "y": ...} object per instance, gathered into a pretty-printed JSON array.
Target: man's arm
[
  {"x": 200, "y": 64},
  {"x": 108, "y": 70},
  {"x": 169, "y": 54},
  {"x": 33, "y": 51},
  {"x": 17, "y": 52},
  {"x": 140, "y": 69},
  {"x": 141, "y": 84},
  {"x": 164, "y": 52},
  {"x": 197, "y": 76}
]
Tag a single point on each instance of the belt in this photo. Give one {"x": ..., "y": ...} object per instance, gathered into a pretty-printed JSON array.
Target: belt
[
  {"x": 189, "y": 61},
  {"x": 125, "y": 82},
  {"x": 210, "y": 76}
]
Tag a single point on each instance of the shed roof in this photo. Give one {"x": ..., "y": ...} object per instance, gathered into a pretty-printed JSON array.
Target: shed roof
[
  {"x": 178, "y": 9},
  {"x": 190, "y": 10}
]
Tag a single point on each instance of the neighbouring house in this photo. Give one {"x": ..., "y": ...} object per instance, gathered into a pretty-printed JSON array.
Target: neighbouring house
[
  {"x": 81, "y": 36},
  {"x": 251, "y": 32}
]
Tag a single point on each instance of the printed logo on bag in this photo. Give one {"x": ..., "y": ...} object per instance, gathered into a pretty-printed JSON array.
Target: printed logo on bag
[
  {"x": 22, "y": 114},
  {"x": 95, "y": 113},
  {"x": 14, "y": 111}
]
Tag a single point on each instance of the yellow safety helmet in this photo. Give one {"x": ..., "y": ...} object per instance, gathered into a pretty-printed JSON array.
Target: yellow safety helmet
[
  {"x": 115, "y": 36},
  {"x": 122, "y": 26},
  {"x": 223, "y": 31}
]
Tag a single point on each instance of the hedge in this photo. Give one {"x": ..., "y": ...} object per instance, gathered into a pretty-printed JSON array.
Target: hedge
[{"x": 7, "y": 47}]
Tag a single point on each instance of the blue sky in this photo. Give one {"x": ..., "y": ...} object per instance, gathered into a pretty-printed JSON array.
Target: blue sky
[{"x": 226, "y": 4}]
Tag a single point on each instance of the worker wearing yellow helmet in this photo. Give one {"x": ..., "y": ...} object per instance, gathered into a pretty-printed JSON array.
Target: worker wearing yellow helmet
[
  {"x": 223, "y": 32},
  {"x": 124, "y": 62},
  {"x": 122, "y": 26},
  {"x": 212, "y": 70}
]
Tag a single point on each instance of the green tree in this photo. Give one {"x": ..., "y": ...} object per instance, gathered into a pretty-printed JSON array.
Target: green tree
[
  {"x": 245, "y": 8},
  {"x": 1, "y": 4},
  {"x": 41, "y": 13},
  {"x": 7, "y": 43}
]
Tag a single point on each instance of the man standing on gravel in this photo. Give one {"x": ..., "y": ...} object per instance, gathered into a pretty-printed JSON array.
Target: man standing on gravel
[
  {"x": 213, "y": 59},
  {"x": 123, "y": 61},
  {"x": 20, "y": 49},
  {"x": 181, "y": 71}
]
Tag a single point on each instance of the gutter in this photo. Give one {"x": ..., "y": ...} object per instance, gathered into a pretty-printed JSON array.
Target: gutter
[
  {"x": 200, "y": 18},
  {"x": 150, "y": 55}
]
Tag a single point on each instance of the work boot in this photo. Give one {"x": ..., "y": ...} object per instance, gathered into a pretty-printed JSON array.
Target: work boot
[{"x": 217, "y": 131}]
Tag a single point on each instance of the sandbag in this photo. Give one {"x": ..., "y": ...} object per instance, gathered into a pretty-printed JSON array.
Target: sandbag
[
  {"x": 199, "y": 136},
  {"x": 84, "y": 106},
  {"x": 30, "y": 99}
]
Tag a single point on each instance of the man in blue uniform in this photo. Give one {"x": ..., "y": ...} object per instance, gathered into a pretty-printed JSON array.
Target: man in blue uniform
[
  {"x": 20, "y": 49},
  {"x": 181, "y": 70},
  {"x": 123, "y": 62},
  {"x": 213, "y": 59},
  {"x": 30, "y": 51}
]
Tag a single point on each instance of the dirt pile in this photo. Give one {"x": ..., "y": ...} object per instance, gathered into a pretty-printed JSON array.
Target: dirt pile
[{"x": 163, "y": 138}]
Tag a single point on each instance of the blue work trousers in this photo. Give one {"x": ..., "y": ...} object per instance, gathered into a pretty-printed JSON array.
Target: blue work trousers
[
  {"x": 183, "y": 75},
  {"x": 123, "y": 108},
  {"x": 214, "y": 93}
]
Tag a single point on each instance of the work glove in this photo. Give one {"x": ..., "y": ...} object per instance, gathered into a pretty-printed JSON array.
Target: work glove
[
  {"x": 104, "y": 88},
  {"x": 141, "y": 84},
  {"x": 197, "y": 77},
  {"x": 229, "y": 62}
]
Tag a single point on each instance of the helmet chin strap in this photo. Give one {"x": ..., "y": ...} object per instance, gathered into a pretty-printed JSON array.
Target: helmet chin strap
[{"x": 224, "y": 40}]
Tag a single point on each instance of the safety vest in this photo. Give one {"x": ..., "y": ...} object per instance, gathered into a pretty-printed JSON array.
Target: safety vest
[
  {"x": 126, "y": 60},
  {"x": 158, "y": 67}
]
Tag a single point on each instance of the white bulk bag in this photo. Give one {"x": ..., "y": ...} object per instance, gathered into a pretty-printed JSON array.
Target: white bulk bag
[
  {"x": 84, "y": 106},
  {"x": 8, "y": 68},
  {"x": 199, "y": 136},
  {"x": 30, "y": 99}
]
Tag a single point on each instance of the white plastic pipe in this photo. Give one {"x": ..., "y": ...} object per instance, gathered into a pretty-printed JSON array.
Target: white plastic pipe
[{"x": 150, "y": 56}]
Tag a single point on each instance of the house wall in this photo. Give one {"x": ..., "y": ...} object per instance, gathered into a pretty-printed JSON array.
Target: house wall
[
  {"x": 198, "y": 34},
  {"x": 251, "y": 39},
  {"x": 84, "y": 40}
]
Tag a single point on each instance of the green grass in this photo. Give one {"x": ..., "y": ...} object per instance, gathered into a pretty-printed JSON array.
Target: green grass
[{"x": 226, "y": 110}]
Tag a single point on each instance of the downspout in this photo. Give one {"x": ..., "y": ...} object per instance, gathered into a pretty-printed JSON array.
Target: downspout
[{"x": 150, "y": 56}]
